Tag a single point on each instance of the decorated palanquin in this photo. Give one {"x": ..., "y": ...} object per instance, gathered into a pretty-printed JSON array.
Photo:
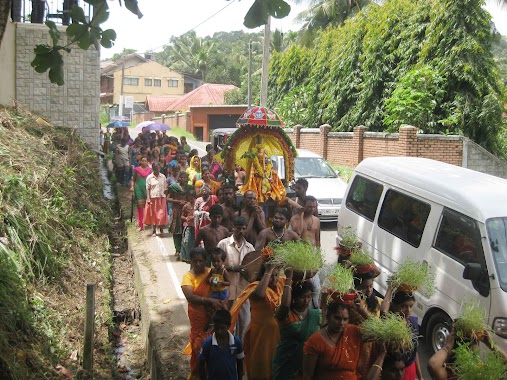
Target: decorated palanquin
[{"x": 260, "y": 135}]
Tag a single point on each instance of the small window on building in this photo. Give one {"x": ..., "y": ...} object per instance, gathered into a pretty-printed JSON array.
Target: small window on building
[
  {"x": 172, "y": 82},
  {"x": 130, "y": 81},
  {"x": 364, "y": 196},
  {"x": 157, "y": 82},
  {"x": 404, "y": 217},
  {"x": 460, "y": 238},
  {"x": 148, "y": 81}
]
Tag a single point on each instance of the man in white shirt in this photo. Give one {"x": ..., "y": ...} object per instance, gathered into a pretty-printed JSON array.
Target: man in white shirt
[{"x": 236, "y": 247}]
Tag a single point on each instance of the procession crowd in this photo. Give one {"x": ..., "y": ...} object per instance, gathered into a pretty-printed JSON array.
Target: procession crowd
[{"x": 268, "y": 322}]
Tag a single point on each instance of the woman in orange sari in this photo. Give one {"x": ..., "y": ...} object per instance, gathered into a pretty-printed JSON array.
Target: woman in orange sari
[
  {"x": 332, "y": 353},
  {"x": 197, "y": 290},
  {"x": 262, "y": 334}
]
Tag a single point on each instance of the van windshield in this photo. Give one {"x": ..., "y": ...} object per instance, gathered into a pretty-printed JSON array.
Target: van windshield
[
  {"x": 497, "y": 233},
  {"x": 313, "y": 167}
]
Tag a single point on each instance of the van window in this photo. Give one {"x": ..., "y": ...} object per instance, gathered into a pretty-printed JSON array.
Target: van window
[
  {"x": 497, "y": 233},
  {"x": 364, "y": 196},
  {"x": 459, "y": 237},
  {"x": 404, "y": 216}
]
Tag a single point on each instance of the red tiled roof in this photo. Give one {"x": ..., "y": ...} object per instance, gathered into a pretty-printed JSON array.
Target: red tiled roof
[
  {"x": 207, "y": 94},
  {"x": 160, "y": 103}
]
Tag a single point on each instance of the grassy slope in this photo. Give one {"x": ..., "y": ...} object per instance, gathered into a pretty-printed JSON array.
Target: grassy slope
[{"x": 53, "y": 225}]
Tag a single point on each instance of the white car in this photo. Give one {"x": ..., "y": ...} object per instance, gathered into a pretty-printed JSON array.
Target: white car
[{"x": 323, "y": 181}]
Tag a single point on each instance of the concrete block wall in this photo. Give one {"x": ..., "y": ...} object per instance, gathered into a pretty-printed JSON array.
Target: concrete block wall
[
  {"x": 76, "y": 103},
  {"x": 477, "y": 158}
]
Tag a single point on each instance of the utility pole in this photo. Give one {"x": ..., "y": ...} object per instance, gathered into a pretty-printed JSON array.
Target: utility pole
[
  {"x": 249, "y": 93},
  {"x": 121, "y": 89},
  {"x": 265, "y": 63}
]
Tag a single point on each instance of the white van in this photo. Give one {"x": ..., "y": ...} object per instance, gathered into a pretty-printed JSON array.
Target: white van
[{"x": 452, "y": 218}]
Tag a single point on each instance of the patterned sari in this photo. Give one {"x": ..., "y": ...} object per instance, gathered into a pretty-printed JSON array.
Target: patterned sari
[{"x": 288, "y": 359}]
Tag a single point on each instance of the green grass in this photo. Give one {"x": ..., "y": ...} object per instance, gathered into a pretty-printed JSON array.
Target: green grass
[
  {"x": 470, "y": 321},
  {"x": 390, "y": 329},
  {"x": 345, "y": 172},
  {"x": 414, "y": 274},
  {"x": 298, "y": 255},
  {"x": 339, "y": 279},
  {"x": 178, "y": 132},
  {"x": 469, "y": 365}
]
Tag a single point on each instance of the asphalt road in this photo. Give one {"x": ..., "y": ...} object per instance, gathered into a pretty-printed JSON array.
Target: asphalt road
[{"x": 328, "y": 242}]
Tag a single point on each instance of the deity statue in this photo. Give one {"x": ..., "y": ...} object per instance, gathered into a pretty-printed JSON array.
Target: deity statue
[{"x": 261, "y": 177}]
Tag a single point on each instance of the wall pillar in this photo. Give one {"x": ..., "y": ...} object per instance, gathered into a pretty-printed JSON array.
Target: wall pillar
[
  {"x": 357, "y": 143},
  {"x": 324, "y": 130},
  {"x": 297, "y": 135},
  {"x": 408, "y": 141},
  {"x": 187, "y": 121}
]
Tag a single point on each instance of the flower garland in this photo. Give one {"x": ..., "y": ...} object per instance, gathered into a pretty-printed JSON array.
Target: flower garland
[{"x": 247, "y": 131}]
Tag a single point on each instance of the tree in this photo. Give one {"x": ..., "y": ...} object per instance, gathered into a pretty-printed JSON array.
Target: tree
[
  {"x": 423, "y": 63},
  {"x": 124, "y": 53},
  {"x": 324, "y": 13}
]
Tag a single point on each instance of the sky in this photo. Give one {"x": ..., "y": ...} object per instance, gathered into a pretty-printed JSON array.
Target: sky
[{"x": 163, "y": 19}]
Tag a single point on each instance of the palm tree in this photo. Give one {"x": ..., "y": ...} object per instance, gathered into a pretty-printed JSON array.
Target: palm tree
[
  {"x": 187, "y": 53},
  {"x": 323, "y": 13}
]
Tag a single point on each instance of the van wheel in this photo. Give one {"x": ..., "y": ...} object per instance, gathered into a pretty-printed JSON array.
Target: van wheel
[{"x": 439, "y": 327}]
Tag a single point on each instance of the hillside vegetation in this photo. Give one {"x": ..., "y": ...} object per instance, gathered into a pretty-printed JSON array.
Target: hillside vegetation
[
  {"x": 429, "y": 64},
  {"x": 53, "y": 240}
]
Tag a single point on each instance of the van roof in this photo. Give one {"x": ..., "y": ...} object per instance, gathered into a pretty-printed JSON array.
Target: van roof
[{"x": 481, "y": 196}]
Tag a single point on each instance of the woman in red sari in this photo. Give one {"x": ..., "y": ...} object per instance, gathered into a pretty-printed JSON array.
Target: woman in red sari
[
  {"x": 332, "y": 353},
  {"x": 138, "y": 186},
  {"x": 202, "y": 207},
  {"x": 197, "y": 290}
]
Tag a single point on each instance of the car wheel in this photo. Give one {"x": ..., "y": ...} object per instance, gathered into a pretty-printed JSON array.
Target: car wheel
[{"x": 439, "y": 327}]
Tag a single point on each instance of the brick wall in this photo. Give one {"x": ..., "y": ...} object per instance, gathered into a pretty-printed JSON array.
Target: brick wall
[
  {"x": 350, "y": 148},
  {"x": 76, "y": 103}
]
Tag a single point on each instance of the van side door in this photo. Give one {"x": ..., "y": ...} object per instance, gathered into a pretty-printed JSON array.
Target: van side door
[{"x": 458, "y": 242}]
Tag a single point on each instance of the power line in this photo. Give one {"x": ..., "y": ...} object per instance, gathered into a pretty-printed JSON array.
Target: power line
[{"x": 198, "y": 25}]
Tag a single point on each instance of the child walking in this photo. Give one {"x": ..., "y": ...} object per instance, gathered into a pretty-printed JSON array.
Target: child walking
[
  {"x": 187, "y": 216},
  {"x": 221, "y": 355},
  {"x": 219, "y": 278}
]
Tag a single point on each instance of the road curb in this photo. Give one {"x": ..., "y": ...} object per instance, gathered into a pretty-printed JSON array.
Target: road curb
[{"x": 164, "y": 323}]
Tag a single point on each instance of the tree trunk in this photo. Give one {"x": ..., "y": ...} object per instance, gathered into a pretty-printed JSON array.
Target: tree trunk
[
  {"x": 16, "y": 10},
  {"x": 5, "y": 6},
  {"x": 38, "y": 9}
]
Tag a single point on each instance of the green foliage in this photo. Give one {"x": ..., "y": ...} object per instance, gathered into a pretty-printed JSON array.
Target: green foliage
[
  {"x": 349, "y": 238},
  {"x": 103, "y": 116},
  {"x": 414, "y": 100},
  {"x": 81, "y": 32},
  {"x": 500, "y": 54},
  {"x": 298, "y": 255},
  {"x": 124, "y": 53},
  {"x": 260, "y": 10},
  {"x": 52, "y": 216},
  {"x": 468, "y": 364},
  {"x": 391, "y": 329},
  {"x": 415, "y": 275},
  {"x": 471, "y": 321},
  {"x": 339, "y": 279},
  {"x": 221, "y": 58},
  {"x": 360, "y": 258},
  {"x": 427, "y": 64}
]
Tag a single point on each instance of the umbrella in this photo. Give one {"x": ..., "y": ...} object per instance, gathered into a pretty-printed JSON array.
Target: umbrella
[
  {"x": 139, "y": 127},
  {"x": 157, "y": 127},
  {"x": 118, "y": 124},
  {"x": 261, "y": 116}
]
